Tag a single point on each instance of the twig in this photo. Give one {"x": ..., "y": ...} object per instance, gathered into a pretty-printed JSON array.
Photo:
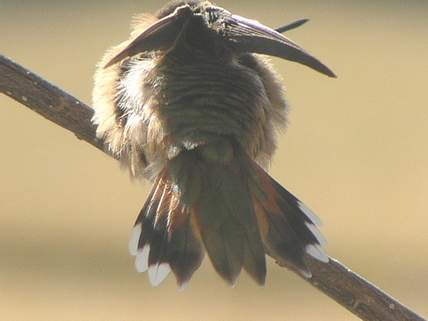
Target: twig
[
  {"x": 356, "y": 294},
  {"x": 47, "y": 100},
  {"x": 334, "y": 279}
]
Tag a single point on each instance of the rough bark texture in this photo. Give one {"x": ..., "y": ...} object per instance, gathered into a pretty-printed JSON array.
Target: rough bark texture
[
  {"x": 356, "y": 294},
  {"x": 334, "y": 279},
  {"x": 47, "y": 100}
]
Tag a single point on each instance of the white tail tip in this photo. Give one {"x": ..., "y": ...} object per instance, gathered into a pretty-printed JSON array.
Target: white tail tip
[
  {"x": 142, "y": 259},
  {"x": 158, "y": 273},
  {"x": 134, "y": 239},
  {"x": 316, "y": 232},
  {"x": 317, "y": 252},
  {"x": 309, "y": 214},
  {"x": 306, "y": 274}
]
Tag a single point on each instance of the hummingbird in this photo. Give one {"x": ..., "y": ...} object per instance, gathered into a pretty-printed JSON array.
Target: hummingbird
[{"x": 191, "y": 103}]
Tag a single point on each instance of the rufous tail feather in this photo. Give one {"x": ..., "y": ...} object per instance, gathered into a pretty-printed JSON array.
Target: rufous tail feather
[{"x": 215, "y": 199}]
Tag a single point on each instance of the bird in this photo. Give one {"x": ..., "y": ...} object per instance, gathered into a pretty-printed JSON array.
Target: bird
[{"x": 191, "y": 103}]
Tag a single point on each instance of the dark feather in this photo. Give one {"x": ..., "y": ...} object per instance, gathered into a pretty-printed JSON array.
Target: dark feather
[
  {"x": 185, "y": 252},
  {"x": 161, "y": 35},
  {"x": 167, "y": 228},
  {"x": 284, "y": 225},
  {"x": 292, "y": 25},
  {"x": 226, "y": 216}
]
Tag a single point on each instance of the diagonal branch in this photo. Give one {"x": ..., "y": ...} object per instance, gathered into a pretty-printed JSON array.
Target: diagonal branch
[
  {"x": 47, "y": 100},
  {"x": 334, "y": 279}
]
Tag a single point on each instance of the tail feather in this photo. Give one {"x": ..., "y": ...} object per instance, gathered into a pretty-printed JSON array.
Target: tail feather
[
  {"x": 221, "y": 238},
  {"x": 139, "y": 244},
  {"x": 159, "y": 267},
  {"x": 185, "y": 251},
  {"x": 290, "y": 228},
  {"x": 166, "y": 238},
  {"x": 216, "y": 199},
  {"x": 228, "y": 224}
]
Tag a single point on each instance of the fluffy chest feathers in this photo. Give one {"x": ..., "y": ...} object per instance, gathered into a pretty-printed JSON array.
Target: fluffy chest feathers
[{"x": 166, "y": 104}]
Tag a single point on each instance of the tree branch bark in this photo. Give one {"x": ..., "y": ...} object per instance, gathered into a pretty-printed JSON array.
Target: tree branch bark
[
  {"x": 334, "y": 279},
  {"x": 47, "y": 100}
]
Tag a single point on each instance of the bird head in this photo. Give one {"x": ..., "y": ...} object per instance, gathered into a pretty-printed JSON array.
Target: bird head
[{"x": 205, "y": 25}]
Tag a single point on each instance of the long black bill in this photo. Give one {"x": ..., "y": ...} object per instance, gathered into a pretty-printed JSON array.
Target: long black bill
[
  {"x": 161, "y": 35},
  {"x": 251, "y": 36}
]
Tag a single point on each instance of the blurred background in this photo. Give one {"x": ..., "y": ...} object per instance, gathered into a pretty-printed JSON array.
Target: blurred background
[{"x": 355, "y": 151}]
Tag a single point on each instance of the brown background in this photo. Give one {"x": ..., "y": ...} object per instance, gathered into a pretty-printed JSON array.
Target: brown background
[{"x": 355, "y": 151}]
